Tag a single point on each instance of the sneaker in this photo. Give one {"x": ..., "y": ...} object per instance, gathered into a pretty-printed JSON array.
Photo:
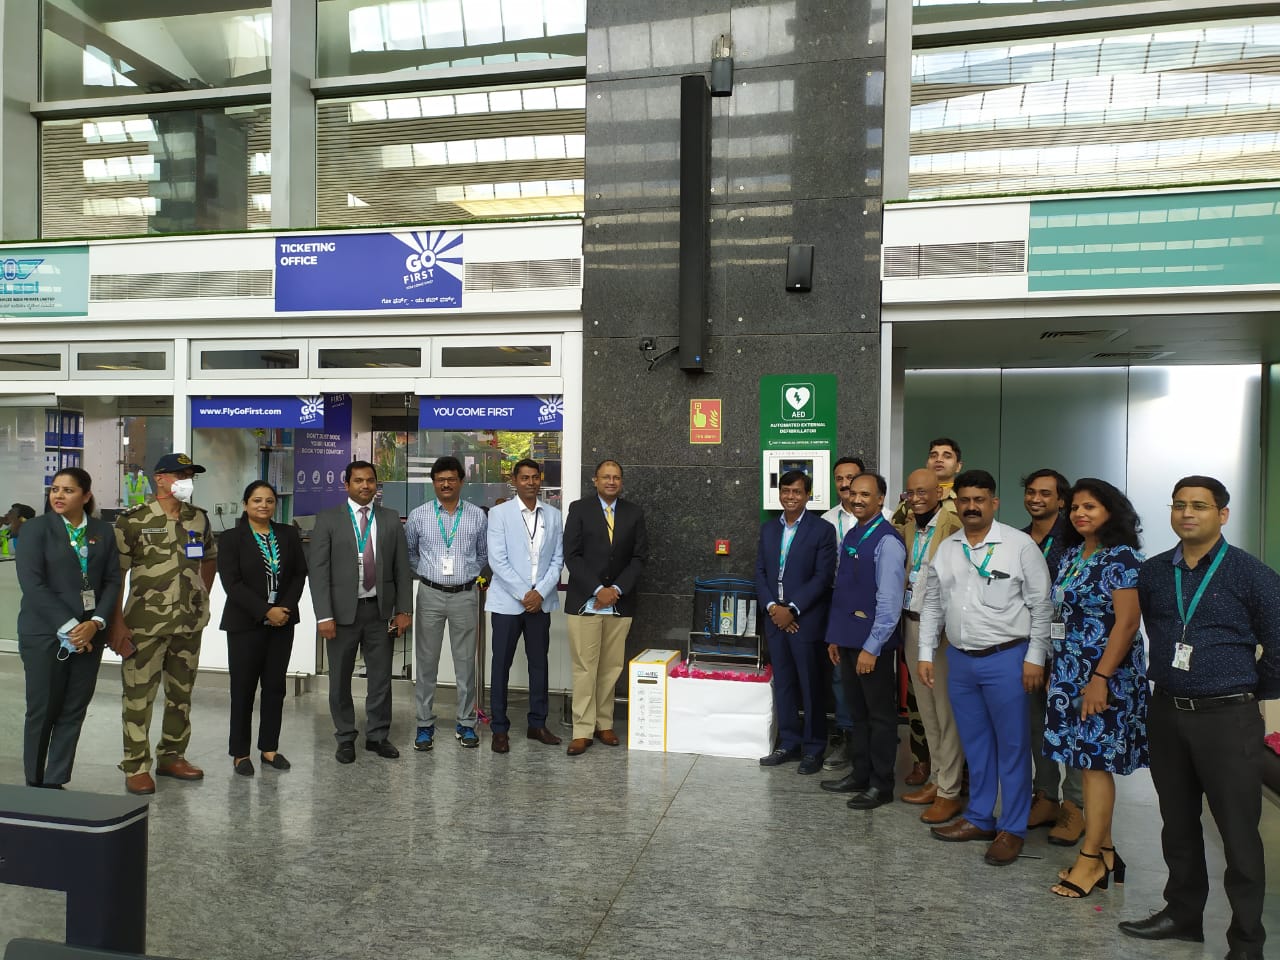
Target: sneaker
[
  {"x": 425, "y": 738},
  {"x": 466, "y": 736},
  {"x": 837, "y": 756}
]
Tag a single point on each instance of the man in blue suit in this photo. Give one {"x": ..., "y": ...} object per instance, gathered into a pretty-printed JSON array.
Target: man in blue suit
[
  {"x": 795, "y": 564},
  {"x": 526, "y": 553}
]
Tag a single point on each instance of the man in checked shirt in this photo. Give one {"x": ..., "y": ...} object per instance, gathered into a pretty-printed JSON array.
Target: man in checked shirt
[{"x": 448, "y": 551}]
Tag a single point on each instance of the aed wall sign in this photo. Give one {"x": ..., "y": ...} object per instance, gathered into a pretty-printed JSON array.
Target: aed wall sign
[{"x": 798, "y": 412}]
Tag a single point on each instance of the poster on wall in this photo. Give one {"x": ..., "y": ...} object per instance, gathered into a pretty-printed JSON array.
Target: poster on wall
[
  {"x": 401, "y": 270},
  {"x": 320, "y": 454},
  {"x": 44, "y": 282}
]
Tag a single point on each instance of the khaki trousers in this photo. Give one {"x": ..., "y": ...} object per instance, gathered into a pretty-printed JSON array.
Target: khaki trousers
[
  {"x": 597, "y": 646},
  {"x": 946, "y": 754}
]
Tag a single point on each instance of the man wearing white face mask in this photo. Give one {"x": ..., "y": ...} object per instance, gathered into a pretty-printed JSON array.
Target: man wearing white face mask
[{"x": 168, "y": 549}]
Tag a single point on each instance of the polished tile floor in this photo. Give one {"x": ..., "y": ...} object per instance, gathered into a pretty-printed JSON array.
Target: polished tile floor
[{"x": 464, "y": 853}]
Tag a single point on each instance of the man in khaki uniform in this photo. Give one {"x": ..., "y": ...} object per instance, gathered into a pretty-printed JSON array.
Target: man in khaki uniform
[{"x": 169, "y": 552}]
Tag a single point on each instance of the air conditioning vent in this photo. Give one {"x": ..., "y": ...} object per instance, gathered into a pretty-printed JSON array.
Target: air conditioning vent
[
  {"x": 1080, "y": 336},
  {"x": 522, "y": 274},
  {"x": 1134, "y": 355},
  {"x": 208, "y": 285},
  {"x": 978, "y": 259}
]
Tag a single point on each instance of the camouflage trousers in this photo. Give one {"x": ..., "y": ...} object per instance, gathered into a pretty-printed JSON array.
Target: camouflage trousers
[
  {"x": 172, "y": 660},
  {"x": 919, "y": 743}
]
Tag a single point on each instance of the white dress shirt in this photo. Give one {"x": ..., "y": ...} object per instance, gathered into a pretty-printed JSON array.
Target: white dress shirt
[
  {"x": 533, "y": 525},
  {"x": 355, "y": 508},
  {"x": 1012, "y": 602},
  {"x": 843, "y": 521}
]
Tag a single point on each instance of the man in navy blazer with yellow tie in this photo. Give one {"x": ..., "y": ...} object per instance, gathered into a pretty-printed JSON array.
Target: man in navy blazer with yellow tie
[{"x": 795, "y": 565}]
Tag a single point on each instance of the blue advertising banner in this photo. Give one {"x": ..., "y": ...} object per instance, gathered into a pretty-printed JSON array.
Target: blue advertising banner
[
  {"x": 405, "y": 270},
  {"x": 320, "y": 456},
  {"x": 491, "y": 413},
  {"x": 266, "y": 412},
  {"x": 44, "y": 282}
]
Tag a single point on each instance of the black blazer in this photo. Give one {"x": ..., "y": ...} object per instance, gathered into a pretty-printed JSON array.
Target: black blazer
[
  {"x": 49, "y": 574},
  {"x": 244, "y": 575},
  {"x": 593, "y": 561}
]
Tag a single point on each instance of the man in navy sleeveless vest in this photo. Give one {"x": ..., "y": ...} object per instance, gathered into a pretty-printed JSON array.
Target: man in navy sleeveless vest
[
  {"x": 863, "y": 637},
  {"x": 795, "y": 562}
]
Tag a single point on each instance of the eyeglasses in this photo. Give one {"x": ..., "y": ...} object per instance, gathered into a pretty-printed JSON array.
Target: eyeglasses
[{"x": 1197, "y": 506}]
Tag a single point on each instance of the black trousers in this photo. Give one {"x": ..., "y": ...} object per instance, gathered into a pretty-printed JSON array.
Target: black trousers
[
  {"x": 58, "y": 694},
  {"x": 257, "y": 657},
  {"x": 872, "y": 701},
  {"x": 1211, "y": 754}
]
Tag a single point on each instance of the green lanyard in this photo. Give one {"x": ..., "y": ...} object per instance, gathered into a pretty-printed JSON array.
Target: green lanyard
[
  {"x": 360, "y": 540},
  {"x": 788, "y": 538},
  {"x": 853, "y": 551},
  {"x": 76, "y": 535},
  {"x": 1047, "y": 546},
  {"x": 1073, "y": 571},
  {"x": 982, "y": 570},
  {"x": 1185, "y": 616},
  {"x": 270, "y": 551},
  {"x": 448, "y": 537},
  {"x": 918, "y": 549}
]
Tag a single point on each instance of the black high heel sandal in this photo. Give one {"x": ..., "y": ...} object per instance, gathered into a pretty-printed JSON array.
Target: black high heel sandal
[
  {"x": 1117, "y": 865},
  {"x": 1080, "y": 892}
]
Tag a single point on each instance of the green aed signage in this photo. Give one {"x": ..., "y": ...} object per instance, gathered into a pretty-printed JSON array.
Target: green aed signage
[{"x": 798, "y": 412}]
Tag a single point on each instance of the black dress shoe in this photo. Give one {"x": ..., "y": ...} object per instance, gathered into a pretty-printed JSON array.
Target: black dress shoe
[
  {"x": 809, "y": 763},
  {"x": 780, "y": 756},
  {"x": 870, "y": 799},
  {"x": 846, "y": 784},
  {"x": 1163, "y": 926},
  {"x": 346, "y": 752},
  {"x": 382, "y": 748}
]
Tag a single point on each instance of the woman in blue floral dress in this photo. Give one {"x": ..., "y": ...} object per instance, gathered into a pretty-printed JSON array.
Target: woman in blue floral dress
[{"x": 1097, "y": 702}]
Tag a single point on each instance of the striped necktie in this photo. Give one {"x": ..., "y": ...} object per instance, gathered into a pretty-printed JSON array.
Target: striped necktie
[{"x": 608, "y": 519}]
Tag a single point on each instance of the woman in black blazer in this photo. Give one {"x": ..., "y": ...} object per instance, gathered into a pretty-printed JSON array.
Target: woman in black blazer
[
  {"x": 263, "y": 570},
  {"x": 69, "y": 572}
]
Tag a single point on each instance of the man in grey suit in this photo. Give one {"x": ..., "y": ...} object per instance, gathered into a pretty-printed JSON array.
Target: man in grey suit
[{"x": 362, "y": 589}]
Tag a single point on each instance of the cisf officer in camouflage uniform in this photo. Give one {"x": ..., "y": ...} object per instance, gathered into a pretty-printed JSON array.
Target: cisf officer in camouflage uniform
[{"x": 170, "y": 554}]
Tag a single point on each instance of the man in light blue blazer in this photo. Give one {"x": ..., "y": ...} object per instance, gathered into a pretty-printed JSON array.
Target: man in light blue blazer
[{"x": 526, "y": 553}]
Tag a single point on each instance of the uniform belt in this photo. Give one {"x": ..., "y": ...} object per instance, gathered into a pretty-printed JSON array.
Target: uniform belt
[
  {"x": 988, "y": 651},
  {"x": 1206, "y": 703},
  {"x": 372, "y": 599},
  {"x": 443, "y": 589}
]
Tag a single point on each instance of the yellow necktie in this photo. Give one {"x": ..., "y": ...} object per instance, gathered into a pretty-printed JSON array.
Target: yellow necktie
[{"x": 608, "y": 519}]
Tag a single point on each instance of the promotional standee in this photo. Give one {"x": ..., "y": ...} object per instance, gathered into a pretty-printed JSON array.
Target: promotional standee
[{"x": 797, "y": 432}]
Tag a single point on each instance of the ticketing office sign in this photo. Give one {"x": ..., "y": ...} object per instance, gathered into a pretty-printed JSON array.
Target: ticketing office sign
[
  {"x": 400, "y": 270},
  {"x": 44, "y": 281}
]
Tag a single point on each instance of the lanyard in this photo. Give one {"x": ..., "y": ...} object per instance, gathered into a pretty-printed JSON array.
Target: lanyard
[
  {"x": 1074, "y": 571},
  {"x": 840, "y": 522},
  {"x": 457, "y": 519},
  {"x": 918, "y": 549},
  {"x": 788, "y": 538},
  {"x": 534, "y": 532},
  {"x": 360, "y": 540},
  {"x": 982, "y": 570},
  {"x": 76, "y": 535},
  {"x": 1046, "y": 546},
  {"x": 853, "y": 551},
  {"x": 270, "y": 551},
  {"x": 1185, "y": 616}
]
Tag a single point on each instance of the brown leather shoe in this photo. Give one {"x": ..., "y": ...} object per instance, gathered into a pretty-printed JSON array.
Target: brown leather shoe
[
  {"x": 543, "y": 735},
  {"x": 1004, "y": 849},
  {"x": 578, "y": 746},
  {"x": 960, "y": 831},
  {"x": 1070, "y": 826},
  {"x": 608, "y": 738},
  {"x": 1044, "y": 812},
  {"x": 140, "y": 783},
  {"x": 501, "y": 743},
  {"x": 918, "y": 776},
  {"x": 943, "y": 809},
  {"x": 179, "y": 769},
  {"x": 924, "y": 796}
]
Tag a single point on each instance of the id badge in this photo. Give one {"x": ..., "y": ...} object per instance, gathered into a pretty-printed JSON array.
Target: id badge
[
  {"x": 1057, "y": 630},
  {"x": 913, "y": 576},
  {"x": 1182, "y": 656},
  {"x": 195, "y": 551},
  {"x": 1059, "y": 595},
  {"x": 271, "y": 597},
  {"x": 87, "y": 600},
  {"x": 906, "y": 600},
  {"x": 446, "y": 566},
  {"x": 781, "y": 597}
]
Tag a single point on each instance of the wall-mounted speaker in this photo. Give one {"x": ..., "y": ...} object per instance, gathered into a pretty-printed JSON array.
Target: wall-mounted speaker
[{"x": 695, "y": 212}]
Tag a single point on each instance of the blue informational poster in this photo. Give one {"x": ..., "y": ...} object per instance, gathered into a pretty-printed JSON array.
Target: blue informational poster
[
  {"x": 491, "y": 413},
  {"x": 320, "y": 456},
  {"x": 404, "y": 270},
  {"x": 266, "y": 412},
  {"x": 44, "y": 282}
]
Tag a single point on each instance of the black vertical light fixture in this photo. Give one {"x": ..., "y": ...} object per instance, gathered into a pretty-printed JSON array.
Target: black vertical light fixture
[{"x": 722, "y": 66}]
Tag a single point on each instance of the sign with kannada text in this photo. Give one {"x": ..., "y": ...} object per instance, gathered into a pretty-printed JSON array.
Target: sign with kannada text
[
  {"x": 44, "y": 281},
  {"x": 402, "y": 270}
]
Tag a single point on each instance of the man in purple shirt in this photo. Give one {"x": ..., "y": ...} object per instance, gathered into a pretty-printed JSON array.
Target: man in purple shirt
[{"x": 863, "y": 636}]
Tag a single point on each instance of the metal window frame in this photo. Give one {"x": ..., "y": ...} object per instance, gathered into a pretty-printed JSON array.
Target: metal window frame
[
  {"x": 199, "y": 347},
  {"x": 139, "y": 346},
  {"x": 314, "y": 346},
  {"x": 552, "y": 340},
  {"x": 30, "y": 349}
]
